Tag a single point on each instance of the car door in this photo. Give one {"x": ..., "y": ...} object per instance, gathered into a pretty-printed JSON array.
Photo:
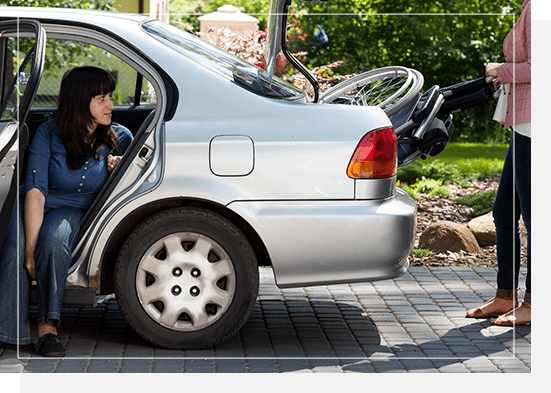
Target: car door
[{"x": 22, "y": 45}]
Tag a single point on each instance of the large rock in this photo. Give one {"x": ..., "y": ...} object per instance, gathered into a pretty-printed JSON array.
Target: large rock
[
  {"x": 483, "y": 229},
  {"x": 444, "y": 236}
]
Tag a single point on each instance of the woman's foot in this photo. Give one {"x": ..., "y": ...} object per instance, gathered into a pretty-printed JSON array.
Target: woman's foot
[
  {"x": 48, "y": 342},
  {"x": 505, "y": 301},
  {"x": 50, "y": 346},
  {"x": 519, "y": 316}
]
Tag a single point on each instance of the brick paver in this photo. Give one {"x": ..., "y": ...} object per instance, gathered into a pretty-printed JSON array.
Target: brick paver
[{"x": 411, "y": 324}]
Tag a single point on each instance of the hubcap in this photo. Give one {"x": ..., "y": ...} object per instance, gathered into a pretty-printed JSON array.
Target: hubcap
[{"x": 185, "y": 281}]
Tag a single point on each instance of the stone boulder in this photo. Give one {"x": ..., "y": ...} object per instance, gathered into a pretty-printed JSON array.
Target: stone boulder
[
  {"x": 483, "y": 229},
  {"x": 443, "y": 236}
]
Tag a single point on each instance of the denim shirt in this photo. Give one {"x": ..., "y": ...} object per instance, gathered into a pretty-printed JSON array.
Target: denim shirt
[{"x": 47, "y": 169}]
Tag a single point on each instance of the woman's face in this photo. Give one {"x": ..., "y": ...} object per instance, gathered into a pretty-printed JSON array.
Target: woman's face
[{"x": 100, "y": 108}]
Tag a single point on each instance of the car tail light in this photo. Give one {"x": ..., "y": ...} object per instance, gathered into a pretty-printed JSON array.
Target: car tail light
[{"x": 376, "y": 156}]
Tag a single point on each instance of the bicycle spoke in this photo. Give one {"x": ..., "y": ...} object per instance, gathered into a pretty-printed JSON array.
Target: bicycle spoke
[
  {"x": 380, "y": 91},
  {"x": 389, "y": 88}
]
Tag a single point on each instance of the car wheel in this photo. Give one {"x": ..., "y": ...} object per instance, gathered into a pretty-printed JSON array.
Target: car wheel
[{"x": 186, "y": 278}]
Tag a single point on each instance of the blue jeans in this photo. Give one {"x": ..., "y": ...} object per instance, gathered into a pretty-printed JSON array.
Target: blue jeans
[
  {"x": 58, "y": 233},
  {"x": 513, "y": 200}
]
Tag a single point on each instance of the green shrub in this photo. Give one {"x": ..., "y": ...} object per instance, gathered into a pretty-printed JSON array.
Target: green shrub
[
  {"x": 481, "y": 203},
  {"x": 432, "y": 187},
  {"x": 431, "y": 169},
  {"x": 410, "y": 190},
  {"x": 421, "y": 253}
]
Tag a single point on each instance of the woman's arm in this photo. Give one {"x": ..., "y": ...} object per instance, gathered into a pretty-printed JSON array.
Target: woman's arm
[
  {"x": 34, "y": 215},
  {"x": 125, "y": 139},
  {"x": 36, "y": 190},
  {"x": 520, "y": 72}
]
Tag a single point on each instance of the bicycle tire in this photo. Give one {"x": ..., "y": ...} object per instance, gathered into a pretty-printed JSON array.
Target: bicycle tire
[{"x": 389, "y": 88}]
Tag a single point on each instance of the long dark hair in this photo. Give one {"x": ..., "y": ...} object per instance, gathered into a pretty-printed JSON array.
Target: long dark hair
[{"x": 74, "y": 119}]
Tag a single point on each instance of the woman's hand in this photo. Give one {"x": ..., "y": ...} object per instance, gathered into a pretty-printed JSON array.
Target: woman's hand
[
  {"x": 112, "y": 162},
  {"x": 491, "y": 69},
  {"x": 34, "y": 215},
  {"x": 30, "y": 265}
]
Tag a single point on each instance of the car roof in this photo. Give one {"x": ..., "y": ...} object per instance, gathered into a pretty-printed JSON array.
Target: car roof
[
  {"x": 118, "y": 24},
  {"x": 111, "y": 20}
]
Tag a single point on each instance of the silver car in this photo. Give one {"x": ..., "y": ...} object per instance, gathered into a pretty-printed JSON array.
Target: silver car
[{"x": 230, "y": 169}]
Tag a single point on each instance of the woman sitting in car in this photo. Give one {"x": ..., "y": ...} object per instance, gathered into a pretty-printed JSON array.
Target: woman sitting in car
[{"x": 70, "y": 159}]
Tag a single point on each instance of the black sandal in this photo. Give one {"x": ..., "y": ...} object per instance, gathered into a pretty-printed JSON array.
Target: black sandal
[{"x": 50, "y": 346}]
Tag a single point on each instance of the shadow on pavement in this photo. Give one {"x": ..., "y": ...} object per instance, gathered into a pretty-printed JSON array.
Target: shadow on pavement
[{"x": 280, "y": 336}]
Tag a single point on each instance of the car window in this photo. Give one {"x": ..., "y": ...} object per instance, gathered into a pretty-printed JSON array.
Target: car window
[
  {"x": 62, "y": 56},
  {"x": 239, "y": 71}
]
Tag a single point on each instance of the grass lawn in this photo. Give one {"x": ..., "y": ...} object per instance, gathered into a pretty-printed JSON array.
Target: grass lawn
[
  {"x": 458, "y": 161},
  {"x": 474, "y": 160}
]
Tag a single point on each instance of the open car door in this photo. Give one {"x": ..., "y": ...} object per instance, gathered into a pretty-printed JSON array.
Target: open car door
[{"x": 22, "y": 45}]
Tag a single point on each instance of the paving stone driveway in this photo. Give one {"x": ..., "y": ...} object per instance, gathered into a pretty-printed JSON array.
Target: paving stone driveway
[{"x": 412, "y": 324}]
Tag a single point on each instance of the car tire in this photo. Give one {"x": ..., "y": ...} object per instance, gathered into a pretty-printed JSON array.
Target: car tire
[{"x": 186, "y": 278}]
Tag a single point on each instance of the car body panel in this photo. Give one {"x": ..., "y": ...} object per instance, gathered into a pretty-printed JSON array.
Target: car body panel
[
  {"x": 293, "y": 157},
  {"x": 328, "y": 242}
]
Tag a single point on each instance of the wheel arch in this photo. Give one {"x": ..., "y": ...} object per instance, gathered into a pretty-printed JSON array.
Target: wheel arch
[{"x": 126, "y": 226}]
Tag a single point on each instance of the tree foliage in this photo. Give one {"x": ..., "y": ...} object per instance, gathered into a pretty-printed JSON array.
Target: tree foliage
[
  {"x": 60, "y": 54},
  {"x": 449, "y": 41}
]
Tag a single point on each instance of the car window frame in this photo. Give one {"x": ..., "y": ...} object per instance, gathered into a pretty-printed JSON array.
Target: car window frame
[{"x": 165, "y": 87}]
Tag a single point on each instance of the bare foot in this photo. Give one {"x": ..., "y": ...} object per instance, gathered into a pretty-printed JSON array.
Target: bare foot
[
  {"x": 519, "y": 316},
  {"x": 493, "y": 308}
]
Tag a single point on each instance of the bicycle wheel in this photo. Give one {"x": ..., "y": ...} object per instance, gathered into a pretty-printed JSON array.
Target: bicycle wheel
[{"x": 389, "y": 88}]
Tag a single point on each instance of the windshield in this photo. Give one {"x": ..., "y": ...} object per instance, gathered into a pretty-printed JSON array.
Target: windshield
[{"x": 237, "y": 70}]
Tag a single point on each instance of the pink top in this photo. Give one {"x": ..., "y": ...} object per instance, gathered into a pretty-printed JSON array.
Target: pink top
[{"x": 517, "y": 49}]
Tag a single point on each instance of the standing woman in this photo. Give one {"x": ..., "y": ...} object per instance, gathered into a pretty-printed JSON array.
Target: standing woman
[
  {"x": 70, "y": 159},
  {"x": 514, "y": 192}
]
